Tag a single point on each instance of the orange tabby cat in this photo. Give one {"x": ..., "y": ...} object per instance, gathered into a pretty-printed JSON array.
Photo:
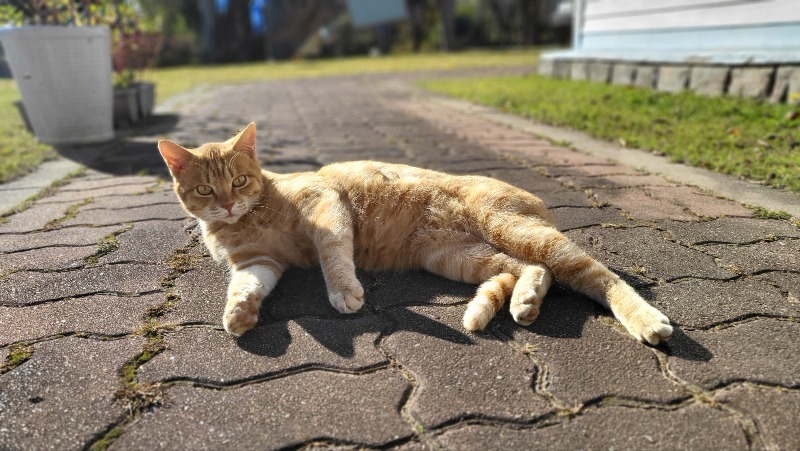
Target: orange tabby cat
[{"x": 381, "y": 216}]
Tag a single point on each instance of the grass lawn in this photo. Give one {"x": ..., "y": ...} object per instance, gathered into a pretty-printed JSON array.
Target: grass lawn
[
  {"x": 19, "y": 152},
  {"x": 171, "y": 81},
  {"x": 757, "y": 141}
]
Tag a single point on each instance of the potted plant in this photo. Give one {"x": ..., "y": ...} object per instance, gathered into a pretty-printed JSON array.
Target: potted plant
[
  {"x": 134, "y": 52},
  {"x": 59, "y": 54}
]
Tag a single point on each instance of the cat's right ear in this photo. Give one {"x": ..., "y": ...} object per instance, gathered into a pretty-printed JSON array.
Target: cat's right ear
[{"x": 176, "y": 157}]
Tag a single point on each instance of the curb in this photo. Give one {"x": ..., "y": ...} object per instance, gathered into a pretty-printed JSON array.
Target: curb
[{"x": 18, "y": 191}]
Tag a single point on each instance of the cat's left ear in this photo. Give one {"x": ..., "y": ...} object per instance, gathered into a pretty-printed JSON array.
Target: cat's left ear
[
  {"x": 176, "y": 157},
  {"x": 245, "y": 141}
]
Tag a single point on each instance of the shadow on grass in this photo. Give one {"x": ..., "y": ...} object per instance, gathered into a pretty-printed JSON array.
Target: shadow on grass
[{"x": 132, "y": 152}]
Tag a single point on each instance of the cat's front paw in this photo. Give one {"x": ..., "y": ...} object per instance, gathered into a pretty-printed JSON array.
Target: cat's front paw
[
  {"x": 348, "y": 301},
  {"x": 649, "y": 325},
  {"x": 240, "y": 316}
]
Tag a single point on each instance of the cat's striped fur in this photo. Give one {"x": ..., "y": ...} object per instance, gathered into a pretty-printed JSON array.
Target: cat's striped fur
[{"x": 386, "y": 216}]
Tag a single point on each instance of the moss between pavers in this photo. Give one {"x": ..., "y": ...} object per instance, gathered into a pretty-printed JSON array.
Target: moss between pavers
[
  {"x": 20, "y": 353},
  {"x": 763, "y": 213},
  {"x": 107, "y": 245},
  {"x": 69, "y": 213}
]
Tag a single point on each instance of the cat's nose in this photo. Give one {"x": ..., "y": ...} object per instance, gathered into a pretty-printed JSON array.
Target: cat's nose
[{"x": 228, "y": 207}]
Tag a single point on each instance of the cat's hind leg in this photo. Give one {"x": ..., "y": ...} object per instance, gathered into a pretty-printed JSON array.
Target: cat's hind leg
[
  {"x": 464, "y": 258},
  {"x": 489, "y": 299},
  {"x": 529, "y": 291},
  {"x": 533, "y": 240}
]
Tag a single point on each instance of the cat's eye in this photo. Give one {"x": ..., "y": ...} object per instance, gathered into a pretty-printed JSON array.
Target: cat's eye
[
  {"x": 240, "y": 181},
  {"x": 204, "y": 190}
]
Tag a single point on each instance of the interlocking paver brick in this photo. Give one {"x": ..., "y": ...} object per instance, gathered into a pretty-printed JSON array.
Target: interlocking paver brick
[
  {"x": 787, "y": 282},
  {"x": 730, "y": 230},
  {"x": 594, "y": 170},
  {"x": 568, "y": 218},
  {"x": 757, "y": 350},
  {"x": 64, "y": 395},
  {"x": 781, "y": 255},
  {"x": 553, "y": 193},
  {"x": 149, "y": 241},
  {"x": 268, "y": 350},
  {"x": 687, "y": 302},
  {"x": 693, "y": 427},
  {"x": 202, "y": 292},
  {"x": 277, "y": 413},
  {"x": 25, "y": 287},
  {"x": 98, "y": 314},
  {"x": 699, "y": 203},
  {"x": 77, "y": 236},
  {"x": 460, "y": 374},
  {"x": 643, "y": 250},
  {"x": 614, "y": 365},
  {"x": 643, "y": 206},
  {"x": 34, "y": 218},
  {"x": 108, "y": 217},
  {"x": 614, "y": 181},
  {"x": 80, "y": 190},
  {"x": 46, "y": 259},
  {"x": 779, "y": 423},
  {"x": 393, "y": 288},
  {"x": 163, "y": 195}
]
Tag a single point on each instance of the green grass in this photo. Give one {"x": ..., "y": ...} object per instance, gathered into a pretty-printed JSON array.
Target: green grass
[
  {"x": 741, "y": 137},
  {"x": 19, "y": 151},
  {"x": 171, "y": 81}
]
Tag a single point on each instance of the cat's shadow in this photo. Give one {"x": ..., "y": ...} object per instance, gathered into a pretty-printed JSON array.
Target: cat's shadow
[
  {"x": 404, "y": 301},
  {"x": 391, "y": 297}
]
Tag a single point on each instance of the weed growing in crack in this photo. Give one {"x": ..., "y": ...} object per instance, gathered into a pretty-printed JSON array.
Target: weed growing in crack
[
  {"x": 763, "y": 213},
  {"x": 529, "y": 349},
  {"x": 134, "y": 395},
  {"x": 70, "y": 213},
  {"x": 106, "y": 245},
  {"x": 182, "y": 261},
  {"x": 107, "y": 439},
  {"x": 20, "y": 353}
]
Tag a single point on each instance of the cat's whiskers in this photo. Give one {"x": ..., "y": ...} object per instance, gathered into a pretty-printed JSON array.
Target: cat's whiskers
[{"x": 263, "y": 205}]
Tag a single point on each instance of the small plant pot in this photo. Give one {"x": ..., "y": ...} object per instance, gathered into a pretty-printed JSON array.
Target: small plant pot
[
  {"x": 146, "y": 93},
  {"x": 126, "y": 107}
]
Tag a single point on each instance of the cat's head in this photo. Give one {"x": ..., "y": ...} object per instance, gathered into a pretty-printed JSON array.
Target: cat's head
[{"x": 216, "y": 181}]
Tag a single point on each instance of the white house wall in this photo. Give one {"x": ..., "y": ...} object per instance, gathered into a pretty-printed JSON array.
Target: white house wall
[{"x": 689, "y": 25}]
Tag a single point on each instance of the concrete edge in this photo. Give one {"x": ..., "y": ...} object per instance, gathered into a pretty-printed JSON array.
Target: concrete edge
[
  {"x": 18, "y": 191},
  {"x": 744, "y": 192}
]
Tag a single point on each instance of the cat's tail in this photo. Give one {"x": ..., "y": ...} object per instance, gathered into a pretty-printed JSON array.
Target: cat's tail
[{"x": 536, "y": 241}]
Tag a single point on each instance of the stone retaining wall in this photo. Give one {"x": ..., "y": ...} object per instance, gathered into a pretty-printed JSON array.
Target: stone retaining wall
[{"x": 776, "y": 83}]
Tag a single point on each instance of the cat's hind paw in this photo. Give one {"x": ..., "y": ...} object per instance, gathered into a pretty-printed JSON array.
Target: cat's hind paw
[
  {"x": 478, "y": 315},
  {"x": 349, "y": 301},
  {"x": 649, "y": 325}
]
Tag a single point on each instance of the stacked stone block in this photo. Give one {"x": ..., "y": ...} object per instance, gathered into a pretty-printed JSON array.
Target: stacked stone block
[{"x": 776, "y": 83}]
